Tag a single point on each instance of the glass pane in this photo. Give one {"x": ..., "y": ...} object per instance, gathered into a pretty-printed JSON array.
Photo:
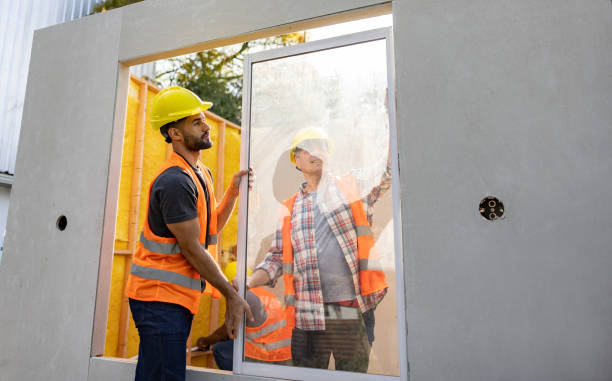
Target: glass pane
[{"x": 319, "y": 131}]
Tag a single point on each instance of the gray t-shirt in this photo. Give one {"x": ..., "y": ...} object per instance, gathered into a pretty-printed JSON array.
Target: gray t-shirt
[{"x": 336, "y": 278}]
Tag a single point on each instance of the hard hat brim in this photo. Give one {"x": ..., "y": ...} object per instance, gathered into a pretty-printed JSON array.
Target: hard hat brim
[{"x": 157, "y": 123}]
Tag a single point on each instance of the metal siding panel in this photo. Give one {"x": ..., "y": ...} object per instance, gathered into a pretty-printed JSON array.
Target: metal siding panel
[
  {"x": 17, "y": 25},
  {"x": 6, "y": 73}
]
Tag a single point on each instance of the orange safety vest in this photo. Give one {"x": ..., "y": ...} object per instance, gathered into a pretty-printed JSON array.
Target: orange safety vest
[
  {"x": 159, "y": 271},
  {"x": 371, "y": 275},
  {"x": 270, "y": 341}
]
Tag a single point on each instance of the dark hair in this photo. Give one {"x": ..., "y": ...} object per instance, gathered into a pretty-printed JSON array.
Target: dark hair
[{"x": 164, "y": 129}]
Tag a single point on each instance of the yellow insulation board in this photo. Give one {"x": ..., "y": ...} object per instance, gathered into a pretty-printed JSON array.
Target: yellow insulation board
[{"x": 154, "y": 155}]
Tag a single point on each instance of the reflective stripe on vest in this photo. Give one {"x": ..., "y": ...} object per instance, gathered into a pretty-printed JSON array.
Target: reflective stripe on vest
[
  {"x": 271, "y": 346},
  {"x": 287, "y": 268},
  {"x": 166, "y": 276},
  {"x": 364, "y": 230},
  {"x": 169, "y": 248},
  {"x": 270, "y": 341},
  {"x": 265, "y": 330},
  {"x": 290, "y": 300},
  {"x": 367, "y": 264}
]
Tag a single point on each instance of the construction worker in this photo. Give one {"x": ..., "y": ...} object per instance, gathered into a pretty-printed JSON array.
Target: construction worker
[
  {"x": 176, "y": 253},
  {"x": 324, "y": 249},
  {"x": 267, "y": 337}
]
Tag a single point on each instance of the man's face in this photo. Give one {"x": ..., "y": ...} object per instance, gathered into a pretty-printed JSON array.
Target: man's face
[
  {"x": 311, "y": 156},
  {"x": 196, "y": 132}
]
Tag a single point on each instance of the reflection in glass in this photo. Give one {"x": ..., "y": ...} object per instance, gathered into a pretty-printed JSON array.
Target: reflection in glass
[{"x": 320, "y": 219}]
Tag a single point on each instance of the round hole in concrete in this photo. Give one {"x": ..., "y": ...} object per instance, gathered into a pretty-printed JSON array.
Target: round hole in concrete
[{"x": 61, "y": 223}]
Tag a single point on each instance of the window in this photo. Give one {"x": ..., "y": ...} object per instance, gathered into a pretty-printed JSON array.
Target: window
[{"x": 318, "y": 131}]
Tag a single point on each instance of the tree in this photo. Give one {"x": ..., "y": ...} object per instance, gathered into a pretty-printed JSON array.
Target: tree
[
  {"x": 107, "y": 5},
  {"x": 216, "y": 74}
]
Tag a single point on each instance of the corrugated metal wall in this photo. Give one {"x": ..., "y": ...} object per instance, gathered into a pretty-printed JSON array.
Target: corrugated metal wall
[{"x": 18, "y": 20}]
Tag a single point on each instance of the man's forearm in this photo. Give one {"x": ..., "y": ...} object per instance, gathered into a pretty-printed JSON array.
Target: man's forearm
[
  {"x": 219, "y": 335},
  {"x": 258, "y": 278},
  {"x": 225, "y": 208},
  {"x": 204, "y": 263}
]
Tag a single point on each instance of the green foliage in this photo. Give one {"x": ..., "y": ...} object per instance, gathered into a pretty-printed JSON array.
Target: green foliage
[
  {"x": 216, "y": 74},
  {"x": 107, "y": 5}
]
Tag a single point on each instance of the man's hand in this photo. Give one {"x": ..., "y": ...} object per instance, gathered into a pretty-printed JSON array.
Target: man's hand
[
  {"x": 235, "y": 184},
  {"x": 203, "y": 344},
  {"x": 224, "y": 209},
  {"x": 236, "y": 308},
  {"x": 187, "y": 233}
]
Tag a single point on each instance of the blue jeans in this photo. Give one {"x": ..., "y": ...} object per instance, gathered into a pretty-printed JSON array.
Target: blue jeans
[
  {"x": 163, "y": 329},
  {"x": 223, "y": 352}
]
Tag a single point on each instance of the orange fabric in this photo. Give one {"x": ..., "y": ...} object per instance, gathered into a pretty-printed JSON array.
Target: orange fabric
[
  {"x": 276, "y": 315},
  {"x": 288, "y": 260},
  {"x": 370, "y": 281},
  {"x": 155, "y": 290}
]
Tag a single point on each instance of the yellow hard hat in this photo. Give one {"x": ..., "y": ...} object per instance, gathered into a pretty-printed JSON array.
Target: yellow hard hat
[
  {"x": 310, "y": 133},
  {"x": 174, "y": 103},
  {"x": 230, "y": 270}
]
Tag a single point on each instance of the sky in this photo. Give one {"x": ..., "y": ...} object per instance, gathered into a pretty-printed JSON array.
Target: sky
[{"x": 349, "y": 27}]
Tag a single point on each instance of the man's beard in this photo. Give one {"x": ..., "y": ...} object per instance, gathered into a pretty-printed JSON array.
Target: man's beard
[{"x": 196, "y": 144}]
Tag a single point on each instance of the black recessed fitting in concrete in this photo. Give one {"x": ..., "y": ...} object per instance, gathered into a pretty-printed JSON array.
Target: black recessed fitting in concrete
[
  {"x": 61, "y": 222},
  {"x": 491, "y": 208}
]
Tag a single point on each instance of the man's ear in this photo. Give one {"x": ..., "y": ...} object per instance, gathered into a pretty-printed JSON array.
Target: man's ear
[{"x": 174, "y": 132}]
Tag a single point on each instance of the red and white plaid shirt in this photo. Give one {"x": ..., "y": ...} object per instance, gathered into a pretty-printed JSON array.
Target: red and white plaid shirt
[{"x": 337, "y": 211}]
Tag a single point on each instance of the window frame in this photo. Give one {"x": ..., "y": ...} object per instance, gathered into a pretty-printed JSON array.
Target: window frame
[{"x": 298, "y": 373}]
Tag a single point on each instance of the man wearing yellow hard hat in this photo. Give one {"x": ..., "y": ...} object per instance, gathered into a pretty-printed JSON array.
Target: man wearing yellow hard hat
[
  {"x": 175, "y": 260},
  {"x": 324, "y": 250}
]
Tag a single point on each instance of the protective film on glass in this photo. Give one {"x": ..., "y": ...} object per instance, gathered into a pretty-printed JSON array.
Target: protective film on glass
[{"x": 320, "y": 244}]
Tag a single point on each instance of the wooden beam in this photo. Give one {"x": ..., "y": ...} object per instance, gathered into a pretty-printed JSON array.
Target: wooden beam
[
  {"x": 141, "y": 82},
  {"x": 124, "y": 317},
  {"x": 188, "y": 357},
  {"x": 219, "y": 186},
  {"x": 335, "y": 18},
  {"x": 217, "y": 118},
  {"x": 213, "y": 325}
]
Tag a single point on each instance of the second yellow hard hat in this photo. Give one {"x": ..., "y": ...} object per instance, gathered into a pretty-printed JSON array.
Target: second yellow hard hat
[{"x": 310, "y": 133}]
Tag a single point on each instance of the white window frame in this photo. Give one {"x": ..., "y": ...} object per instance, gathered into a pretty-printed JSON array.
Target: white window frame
[{"x": 299, "y": 373}]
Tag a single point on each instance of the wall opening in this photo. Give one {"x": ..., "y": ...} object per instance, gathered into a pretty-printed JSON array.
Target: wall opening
[{"x": 144, "y": 151}]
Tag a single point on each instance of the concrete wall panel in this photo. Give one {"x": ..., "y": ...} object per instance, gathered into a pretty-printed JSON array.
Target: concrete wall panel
[
  {"x": 155, "y": 27},
  {"x": 513, "y": 100},
  {"x": 104, "y": 369},
  {"x": 48, "y": 277}
]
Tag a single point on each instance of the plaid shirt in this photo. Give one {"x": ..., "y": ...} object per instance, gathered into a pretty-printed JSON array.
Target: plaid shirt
[{"x": 337, "y": 211}]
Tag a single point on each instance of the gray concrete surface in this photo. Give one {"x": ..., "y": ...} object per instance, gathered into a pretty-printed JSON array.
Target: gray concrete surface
[
  {"x": 103, "y": 369},
  {"x": 512, "y": 99},
  {"x": 48, "y": 278}
]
